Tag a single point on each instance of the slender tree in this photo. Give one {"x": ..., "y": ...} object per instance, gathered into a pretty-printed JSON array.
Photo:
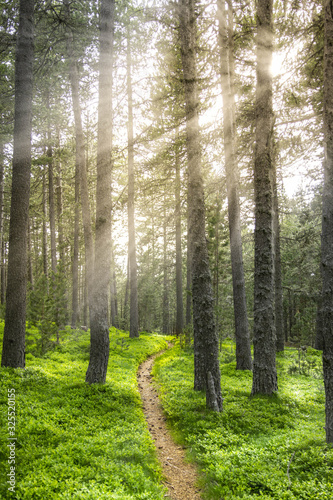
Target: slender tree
[
  {"x": 179, "y": 263},
  {"x": 206, "y": 361},
  {"x": 134, "y": 320},
  {"x": 13, "y": 353},
  {"x": 327, "y": 222},
  {"x": 264, "y": 369},
  {"x": 99, "y": 320},
  {"x": 243, "y": 347}
]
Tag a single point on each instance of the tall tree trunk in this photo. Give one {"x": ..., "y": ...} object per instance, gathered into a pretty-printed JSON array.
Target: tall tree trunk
[
  {"x": 13, "y": 353},
  {"x": 3, "y": 272},
  {"x": 75, "y": 262},
  {"x": 243, "y": 347},
  {"x": 51, "y": 188},
  {"x": 61, "y": 244},
  {"x": 30, "y": 272},
  {"x": 278, "y": 271},
  {"x": 113, "y": 292},
  {"x": 2, "y": 180},
  {"x": 264, "y": 369},
  {"x": 165, "y": 311},
  {"x": 188, "y": 317},
  {"x": 327, "y": 221},
  {"x": 81, "y": 162},
  {"x": 45, "y": 242},
  {"x": 206, "y": 350},
  {"x": 179, "y": 260},
  {"x": 134, "y": 319},
  {"x": 99, "y": 321}
]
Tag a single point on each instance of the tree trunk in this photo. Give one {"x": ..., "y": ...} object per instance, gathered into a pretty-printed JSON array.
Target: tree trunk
[
  {"x": 206, "y": 354},
  {"x": 188, "y": 318},
  {"x": 30, "y": 272},
  {"x": 278, "y": 271},
  {"x": 243, "y": 346},
  {"x": 13, "y": 353},
  {"x": 81, "y": 161},
  {"x": 165, "y": 309},
  {"x": 134, "y": 321},
  {"x": 51, "y": 188},
  {"x": 327, "y": 221},
  {"x": 264, "y": 369},
  {"x": 113, "y": 292},
  {"x": 75, "y": 262},
  {"x": 99, "y": 320},
  {"x": 2, "y": 180},
  {"x": 45, "y": 242},
  {"x": 179, "y": 260},
  {"x": 60, "y": 225}
]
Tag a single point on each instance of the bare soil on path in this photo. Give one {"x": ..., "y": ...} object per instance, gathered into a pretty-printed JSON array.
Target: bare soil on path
[{"x": 180, "y": 476}]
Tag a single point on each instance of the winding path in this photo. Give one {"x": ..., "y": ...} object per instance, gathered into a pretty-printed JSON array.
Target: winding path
[{"x": 180, "y": 476}]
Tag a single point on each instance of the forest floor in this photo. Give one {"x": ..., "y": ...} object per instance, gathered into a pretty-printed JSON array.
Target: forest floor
[{"x": 181, "y": 477}]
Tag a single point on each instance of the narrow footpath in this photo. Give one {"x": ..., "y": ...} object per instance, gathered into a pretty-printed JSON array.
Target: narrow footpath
[{"x": 180, "y": 476}]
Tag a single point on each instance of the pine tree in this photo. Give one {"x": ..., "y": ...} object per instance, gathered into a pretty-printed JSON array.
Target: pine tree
[{"x": 13, "y": 353}]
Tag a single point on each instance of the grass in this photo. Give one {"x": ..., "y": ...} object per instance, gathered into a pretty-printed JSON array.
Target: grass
[
  {"x": 76, "y": 441},
  {"x": 258, "y": 447}
]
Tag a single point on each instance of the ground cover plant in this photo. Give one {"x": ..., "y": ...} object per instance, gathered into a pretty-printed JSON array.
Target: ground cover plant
[
  {"x": 259, "y": 447},
  {"x": 76, "y": 441}
]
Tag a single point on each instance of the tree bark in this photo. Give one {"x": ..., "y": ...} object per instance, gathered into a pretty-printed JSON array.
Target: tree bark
[
  {"x": 75, "y": 261},
  {"x": 179, "y": 260},
  {"x": 51, "y": 188},
  {"x": 165, "y": 308},
  {"x": 188, "y": 317},
  {"x": 243, "y": 346},
  {"x": 99, "y": 320},
  {"x": 264, "y": 369},
  {"x": 13, "y": 353},
  {"x": 2, "y": 180},
  {"x": 327, "y": 221},
  {"x": 113, "y": 292},
  {"x": 206, "y": 359},
  {"x": 134, "y": 319},
  {"x": 277, "y": 271},
  {"x": 45, "y": 240},
  {"x": 81, "y": 162}
]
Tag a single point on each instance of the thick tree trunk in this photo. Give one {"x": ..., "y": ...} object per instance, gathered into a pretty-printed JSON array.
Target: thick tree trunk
[
  {"x": 13, "y": 353},
  {"x": 243, "y": 347},
  {"x": 327, "y": 221},
  {"x": 99, "y": 320},
  {"x": 278, "y": 271},
  {"x": 206, "y": 355},
  {"x": 134, "y": 315},
  {"x": 264, "y": 369},
  {"x": 179, "y": 261}
]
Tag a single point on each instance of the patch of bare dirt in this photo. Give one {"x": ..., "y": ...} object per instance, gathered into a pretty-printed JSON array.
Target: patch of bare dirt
[{"x": 180, "y": 476}]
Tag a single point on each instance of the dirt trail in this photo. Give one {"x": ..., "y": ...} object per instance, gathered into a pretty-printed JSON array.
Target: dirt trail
[{"x": 181, "y": 477}]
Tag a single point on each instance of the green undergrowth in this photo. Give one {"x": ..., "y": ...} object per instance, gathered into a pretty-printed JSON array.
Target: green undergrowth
[
  {"x": 258, "y": 447},
  {"x": 76, "y": 441}
]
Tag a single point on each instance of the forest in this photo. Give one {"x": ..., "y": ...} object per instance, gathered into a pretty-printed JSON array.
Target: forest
[{"x": 166, "y": 190}]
